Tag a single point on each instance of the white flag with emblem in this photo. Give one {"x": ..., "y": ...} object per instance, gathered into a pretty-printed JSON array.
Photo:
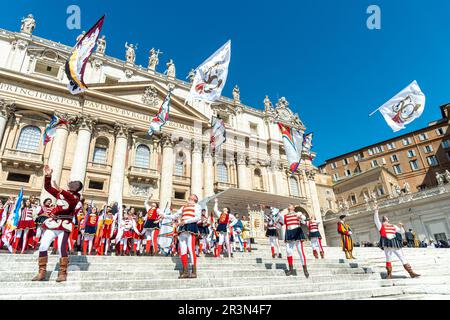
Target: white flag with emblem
[
  {"x": 211, "y": 75},
  {"x": 404, "y": 108}
]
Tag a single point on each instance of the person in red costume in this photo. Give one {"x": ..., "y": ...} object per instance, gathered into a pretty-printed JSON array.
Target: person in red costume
[
  {"x": 26, "y": 224},
  {"x": 151, "y": 226},
  {"x": 58, "y": 225},
  {"x": 390, "y": 243}
]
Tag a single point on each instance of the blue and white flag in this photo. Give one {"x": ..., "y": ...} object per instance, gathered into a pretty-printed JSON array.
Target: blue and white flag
[{"x": 17, "y": 207}]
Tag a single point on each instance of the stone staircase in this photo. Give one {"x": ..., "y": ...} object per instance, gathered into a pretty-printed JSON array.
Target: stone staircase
[{"x": 252, "y": 275}]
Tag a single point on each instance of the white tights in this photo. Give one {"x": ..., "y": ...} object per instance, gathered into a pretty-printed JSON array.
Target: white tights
[
  {"x": 275, "y": 243},
  {"x": 316, "y": 244},
  {"x": 389, "y": 252},
  {"x": 24, "y": 239},
  {"x": 185, "y": 243},
  {"x": 90, "y": 238},
  {"x": 223, "y": 237},
  {"x": 299, "y": 246}
]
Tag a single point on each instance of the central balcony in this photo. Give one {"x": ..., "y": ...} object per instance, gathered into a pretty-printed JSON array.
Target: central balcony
[
  {"x": 222, "y": 186},
  {"x": 182, "y": 180},
  {"x": 143, "y": 175}
]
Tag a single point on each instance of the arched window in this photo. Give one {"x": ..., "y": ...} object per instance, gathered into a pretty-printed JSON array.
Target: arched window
[
  {"x": 29, "y": 139},
  {"x": 294, "y": 187},
  {"x": 142, "y": 159},
  {"x": 179, "y": 165},
  {"x": 101, "y": 151},
  {"x": 222, "y": 173},
  {"x": 258, "y": 180}
]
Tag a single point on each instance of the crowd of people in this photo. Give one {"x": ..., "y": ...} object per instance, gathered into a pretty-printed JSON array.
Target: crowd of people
[
  {"x": 72, "y": 225},
  {"x": 99, "y": 231}
]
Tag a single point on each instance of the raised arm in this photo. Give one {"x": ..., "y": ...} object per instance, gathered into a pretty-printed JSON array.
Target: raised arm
[
  {"x": 216, "y": 208},
  {"x": 176, "y": 215},
  {"x": 376, "y": 218},
  {"x": 233, "y": 220},
  {"x": 48, "y": 182}
]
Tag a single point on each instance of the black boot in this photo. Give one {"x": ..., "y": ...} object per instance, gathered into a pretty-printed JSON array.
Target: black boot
[
  {"x": 305, "y": 271},
  {"x": 291, "y": 271}
]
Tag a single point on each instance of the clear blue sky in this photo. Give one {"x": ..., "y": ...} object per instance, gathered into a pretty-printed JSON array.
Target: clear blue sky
[{"x": 318, "y": 54}]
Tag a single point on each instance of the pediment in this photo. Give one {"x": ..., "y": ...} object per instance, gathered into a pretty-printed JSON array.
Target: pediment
[{"x": 150, "y": 95}]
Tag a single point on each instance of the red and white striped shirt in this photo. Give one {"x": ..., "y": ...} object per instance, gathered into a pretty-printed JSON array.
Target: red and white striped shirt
[
  {"x": 388, "y": 231},
  {"x": 313, "y": 226},
  {"x": 26, "y": 214},
  {"x": 292, "y": 220},
  {"x": 188, "y": 212}
]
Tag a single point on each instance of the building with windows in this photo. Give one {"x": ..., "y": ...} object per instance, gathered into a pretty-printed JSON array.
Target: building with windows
[
  {"x": 410, "y": 160},
  {"x": 106, "y": 143},
  {"x": 408, "y": 176}
]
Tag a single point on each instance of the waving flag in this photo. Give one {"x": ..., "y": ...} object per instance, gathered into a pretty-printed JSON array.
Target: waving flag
[
  {"x": 291, "y": 145},
  {"x": 404, "y": 107},
  {"x": 307, "y": 144},
  {"x": 13, "y": 221},
  {"x": 76, "y": 63},
  {"x": 218, "y": 134},
  {"x": 211, "y": 75},
  {"x": 50, "y": 130},
  {"x": 161, "y": 117},
  {"x": 17, "y": 207}
]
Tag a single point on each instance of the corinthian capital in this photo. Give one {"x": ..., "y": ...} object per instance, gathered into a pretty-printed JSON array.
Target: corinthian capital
[
  {"x": 196, "y": 146},
  {"x": 121, "y": 130},
  {"x": 86, "y": 122},
  {"x": 7, "y": 108},
  {"x": 241, "y": 158},
  {"x": 166, "y": 140}
]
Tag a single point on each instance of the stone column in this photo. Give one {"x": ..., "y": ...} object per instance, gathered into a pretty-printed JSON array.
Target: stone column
[
  {"x": 165, "y": 189},
  {"x": 196, "y": 169},
  {"x": 58, "y": 151},
  {"x": 81, "y": 154},
  {"x": 208, "y": 173},
  {"x": 118, "y": 165},
  {"x": 282, "y": 184},
  {"x": 243, "y": 179},
  {"x": 57, "y": 154},
  {"x": 6, "y": 109},
  {"x": 311, "y": 184}
]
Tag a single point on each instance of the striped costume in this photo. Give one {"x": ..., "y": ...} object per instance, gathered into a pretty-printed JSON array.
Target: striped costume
[
  {"x": 346, "y": 238},
  {"x": 316, "y": 238},
  {"x": 391, "y": 245}
]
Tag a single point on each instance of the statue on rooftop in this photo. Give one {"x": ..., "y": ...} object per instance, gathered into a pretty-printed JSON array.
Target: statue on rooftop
[{"x": 28, "y": 24}]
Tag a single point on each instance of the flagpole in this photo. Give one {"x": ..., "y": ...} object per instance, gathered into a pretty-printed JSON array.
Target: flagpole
[{"x": 374, "y": 112}]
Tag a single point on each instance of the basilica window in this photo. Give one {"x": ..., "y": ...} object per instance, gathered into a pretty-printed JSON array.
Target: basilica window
[
  {"x": 46, "y": 69},
  {"x": 142, "y": 159},
  {"x": 29, "y": 139},
  {"x": 294, "y": 187},
  {"x": 101, "y": 151},
  {"x": 222, "y": 173},
  {"x": 258, "y": 179},
  {"x": 180, "y": 165}
]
